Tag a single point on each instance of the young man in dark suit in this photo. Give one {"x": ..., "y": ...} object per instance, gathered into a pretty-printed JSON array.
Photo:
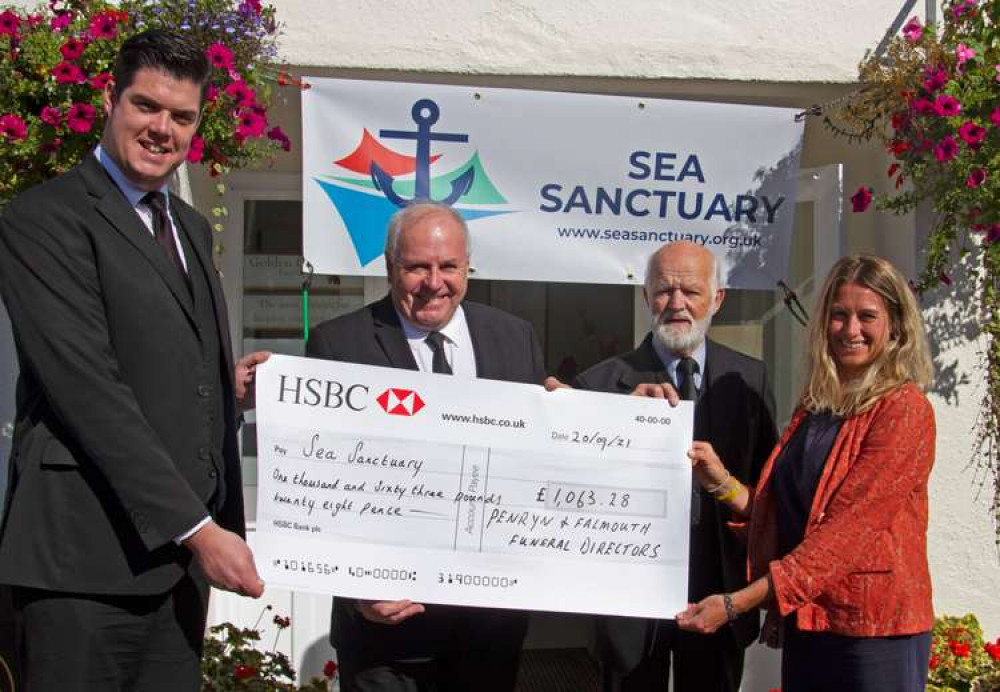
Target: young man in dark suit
[
  {"x": 424, "y": 324},
  {"x": 125, "y": 496},
  {"x": 734, "y": 410}
]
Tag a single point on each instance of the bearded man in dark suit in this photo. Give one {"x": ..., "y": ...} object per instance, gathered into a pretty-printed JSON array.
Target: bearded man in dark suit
[
  {"x": 125, "y": 497},
  {"x": 424, "y": 324},
  {"x": 734, "y": 411}
]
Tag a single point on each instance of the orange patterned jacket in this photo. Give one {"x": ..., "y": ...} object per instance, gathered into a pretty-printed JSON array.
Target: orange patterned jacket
[{"x": 861, "y": 569}]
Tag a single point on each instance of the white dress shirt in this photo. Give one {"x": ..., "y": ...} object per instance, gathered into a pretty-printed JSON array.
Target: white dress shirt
[{"x": 457, "y": 345}]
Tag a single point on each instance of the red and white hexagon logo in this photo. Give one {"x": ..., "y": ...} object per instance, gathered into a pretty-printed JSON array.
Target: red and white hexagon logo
[{"x": 400, "y": 402}]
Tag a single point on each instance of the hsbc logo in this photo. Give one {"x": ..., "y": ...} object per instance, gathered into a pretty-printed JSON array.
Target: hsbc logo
[{"x": 400, "y": 402}]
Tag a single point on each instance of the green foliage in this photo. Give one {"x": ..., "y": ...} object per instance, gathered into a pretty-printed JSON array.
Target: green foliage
[
  {"x": 233, "y": 661},
  {"x": 933, "y": 100}
]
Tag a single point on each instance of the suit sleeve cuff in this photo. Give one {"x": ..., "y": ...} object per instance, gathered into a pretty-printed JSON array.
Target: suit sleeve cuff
[{"x": 187, "y": 534}]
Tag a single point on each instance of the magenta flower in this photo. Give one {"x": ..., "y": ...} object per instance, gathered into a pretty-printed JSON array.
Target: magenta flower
[
  {"x": 935, "y": 79},
  {"x": 913, "y": 30},
  {"x": 72, "y": 49},
  {"x": 61, "y": 21},
  {"x": 976, "y": 178},
  {"x": 250, "y": 7},
  {"x": 946, "y": 149},
  {"x": 68, "y": 73},
  {"x": 243, "y": 95},
  {"x": 862, "y": 199},
  {"x": 972, "y": 134},
  {"x": 964, "y": 54},
  {"x": 51, "y": 115},
  {"x": 196, "y": 152},
  {"x": 278, "y": 135},
  {"x": 220, "y": 56},
  {"x": 52, "y": 146},
  {"x": 211, "y": 93},
  {"x": 104, "y": 26},
  {"x": 251, "y": 124},
  {"x": 34, "y": 19},
  {"x": 997, "y": 68},
  {"x": 99, "y": 81},
  {"x": 964, "y": 7},
  {"x": 10, "y": 22},
  {"x": 13, "y": 128},
  {"x": 995, "y": 117},
  {"x": 80, "y": 117},
  {"x": 923, "y": 106},
  {"x": 947, "y": 106}
]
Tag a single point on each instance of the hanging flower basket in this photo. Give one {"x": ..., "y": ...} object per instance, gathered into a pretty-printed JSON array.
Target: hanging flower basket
[{"x": 933, "y": 101}]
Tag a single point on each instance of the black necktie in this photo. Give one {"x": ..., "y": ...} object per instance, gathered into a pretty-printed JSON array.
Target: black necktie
[
  {"x": 686, "y": 369},
  {"x": 162, "y": 230},
  {"x": 440, "y": 364}
]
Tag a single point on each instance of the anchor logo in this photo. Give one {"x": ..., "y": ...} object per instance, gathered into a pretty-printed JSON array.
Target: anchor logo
[{"x": 425, "y": 113}]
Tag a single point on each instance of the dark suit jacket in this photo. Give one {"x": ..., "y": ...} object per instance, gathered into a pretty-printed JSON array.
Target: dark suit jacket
[
  {"x": 735, "y": 412},
  {"x": 505, "y": 349},
  {"x": 112, "y": 455}
]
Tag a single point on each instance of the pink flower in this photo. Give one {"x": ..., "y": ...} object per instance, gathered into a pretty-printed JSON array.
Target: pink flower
[
  {"x": 72, "y": 49},
  {"x": 330, "y": 669},
  {"x": 976, "y": 178},
  {"x": 10, "y": 22},
  {"x": 964, "y": 54},
  {"x": 997, "y": 68},
  {"x": 34, "y": 19},
  {"x": 964, "y": 7},
  {"x": 251, "y": 124},
  {"x": 80, "y": 117},
  {"x": 68, "y": 73},
  {"x": 892, "y": 170},
  {"x": 243, "y": 95},
  {"x": 278, "y": 135},
  {"x": 100, "y": 81},
  {"x": 220, "y": 56},
  {"x": 935, "y": 79},
  {"x": 972, "y": 134},
  {"x": 197, "y": 150},
  {"x": 13, "y": 128},
  {"x": 104, "y": 26},
  {"x": 51, "y": 116},
  {"x": 913, "y": 30},
  {"x": 61, "y": 21},
  {"x": 947, "y": 106},
  {"x": 922, "y": 106},
  {"x": 52, "y": 146},
  {"x": 995, "y": 117},
  {"x": 250, "y": 7},
  {"x": 211, "y": 93},
  {"x": 946, "y": 149},
  {"x": 862, "y": 199}
]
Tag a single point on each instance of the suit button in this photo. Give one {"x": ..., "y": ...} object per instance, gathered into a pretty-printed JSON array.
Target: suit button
[
  {"x": 204, "y": 390},
  {"x": 204, "y": 454},
  {"x": 212, "y": 473}
]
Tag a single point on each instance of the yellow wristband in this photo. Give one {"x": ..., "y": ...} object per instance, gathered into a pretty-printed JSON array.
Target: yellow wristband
[{"x": 730, "y": 494}]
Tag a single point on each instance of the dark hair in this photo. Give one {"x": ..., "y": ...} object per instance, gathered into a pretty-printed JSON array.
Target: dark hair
[{"x": 164, "y": 51}]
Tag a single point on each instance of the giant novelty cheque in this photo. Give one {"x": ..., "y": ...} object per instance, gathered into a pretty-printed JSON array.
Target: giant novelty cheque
[{"x": 386, "y": 484}]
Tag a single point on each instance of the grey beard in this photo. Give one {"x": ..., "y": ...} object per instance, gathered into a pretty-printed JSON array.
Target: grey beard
[{"x": 681, "y": 342}]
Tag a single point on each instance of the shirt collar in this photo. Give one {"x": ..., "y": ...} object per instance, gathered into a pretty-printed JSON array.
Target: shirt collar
[
  {"x": 670, "y": 359},
  {"x": 132, "y": 193},
  {"x": 451, "y": 331}
]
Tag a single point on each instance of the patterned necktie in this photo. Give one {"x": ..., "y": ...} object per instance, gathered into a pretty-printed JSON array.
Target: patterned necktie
[
  {"x": 162, "y": 230},
  {"x": 686, "y": 370},
  {"x": 439, "y": 364}
]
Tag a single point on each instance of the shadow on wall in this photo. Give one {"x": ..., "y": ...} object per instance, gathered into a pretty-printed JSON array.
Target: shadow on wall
[
  {"x": 951, "y": 315},
  {"x": 746, "y": 265}
]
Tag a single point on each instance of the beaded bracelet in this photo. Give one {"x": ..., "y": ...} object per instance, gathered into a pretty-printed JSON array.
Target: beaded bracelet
[
  {"x": 721, "y": 485},
  {"x": 730, "y": 494},
  {"x": 727, "y": 601}
]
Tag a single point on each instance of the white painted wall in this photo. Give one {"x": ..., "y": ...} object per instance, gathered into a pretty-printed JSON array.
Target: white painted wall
[{"x": 768, "y": 40}]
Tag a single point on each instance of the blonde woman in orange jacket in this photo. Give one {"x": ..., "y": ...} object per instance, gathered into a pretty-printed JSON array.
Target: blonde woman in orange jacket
[{"x": 838, "y": 520}]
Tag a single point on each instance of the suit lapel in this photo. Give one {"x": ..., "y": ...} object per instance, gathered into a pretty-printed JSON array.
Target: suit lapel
[
  {"x": 112, "y": 205},
  {"x": 390, "y": 337},
  {"x": 488, "y": 363},
  {"x": 645, "y": 367}
]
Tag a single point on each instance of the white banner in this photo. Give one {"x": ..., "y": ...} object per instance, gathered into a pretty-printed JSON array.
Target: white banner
[
  {"x": 554, "y": 186},
  {"x": 389, "y": 484}
]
